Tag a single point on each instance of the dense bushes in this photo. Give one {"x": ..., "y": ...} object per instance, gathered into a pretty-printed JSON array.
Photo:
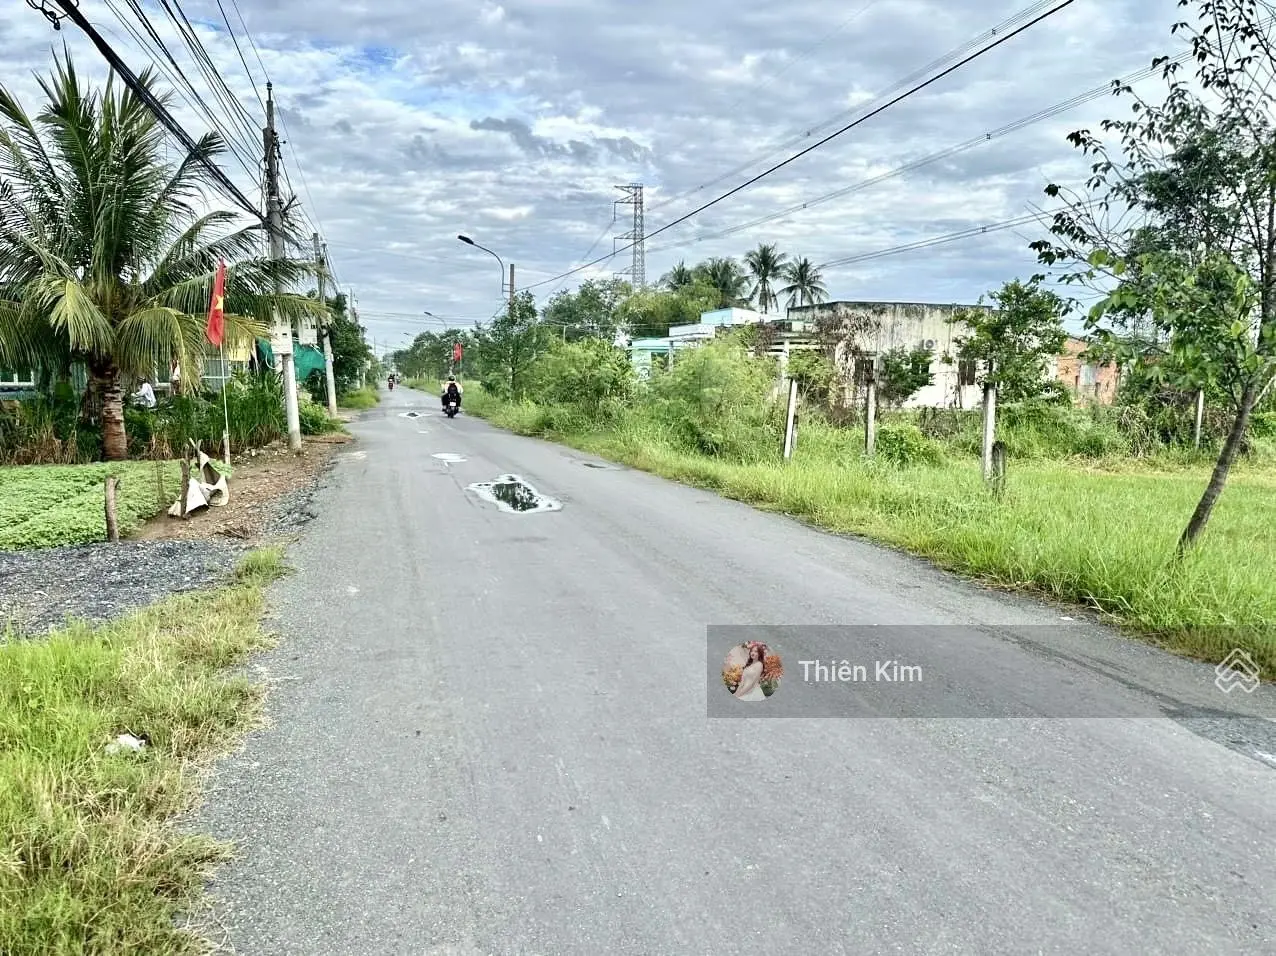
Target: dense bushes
[{"x": 48, "y": 431}]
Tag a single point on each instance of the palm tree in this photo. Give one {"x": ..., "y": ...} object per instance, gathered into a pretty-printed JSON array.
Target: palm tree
[
  {"x": 805, "y": 284},
  {"x": 765, "y": 264},
  {"x": 103, "y": 257},
  {"x": 728, "y": 278},
  {"x": 678, "y": 278}
]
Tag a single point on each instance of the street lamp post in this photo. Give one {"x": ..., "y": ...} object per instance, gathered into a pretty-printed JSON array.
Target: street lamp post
[{"x": 470, "y": 242}]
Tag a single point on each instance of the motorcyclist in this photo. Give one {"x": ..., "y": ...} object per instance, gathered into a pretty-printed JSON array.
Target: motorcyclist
[{"x": 452, "y": 390}]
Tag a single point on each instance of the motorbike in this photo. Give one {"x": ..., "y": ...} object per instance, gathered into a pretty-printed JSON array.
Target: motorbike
[
  {"x": 450, "y": 409},
  {"x": 392, "y": 385}
]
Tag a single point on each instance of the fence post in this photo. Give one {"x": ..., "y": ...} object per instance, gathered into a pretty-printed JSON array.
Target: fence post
[
  {"x": 998, "y": 469},
  {"x": 790, "y": 420},
  {"x": 990, "y": 427},
  {"x": 870, "y": 410},
  {"x": 112, "y": 522}
]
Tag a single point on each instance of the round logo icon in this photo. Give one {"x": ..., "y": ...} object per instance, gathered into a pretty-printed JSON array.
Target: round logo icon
[{"x": 752, "y": 671}]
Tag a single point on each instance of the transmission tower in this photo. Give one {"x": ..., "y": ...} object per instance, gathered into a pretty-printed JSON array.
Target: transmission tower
[{"x": 637, "y": 272}]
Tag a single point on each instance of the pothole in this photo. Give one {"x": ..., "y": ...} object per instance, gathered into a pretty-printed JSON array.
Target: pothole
[
  {"x": 410, "y": 415},
  {"x": 512, "y": 494},
  {"x": 448, "y": 456}
]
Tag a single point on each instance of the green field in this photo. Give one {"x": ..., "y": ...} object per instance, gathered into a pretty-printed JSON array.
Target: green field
[
  {"x": 43, "y": 506},
  {"x": 92, "y": 859},
  {"x": 1101, "y": 536}
]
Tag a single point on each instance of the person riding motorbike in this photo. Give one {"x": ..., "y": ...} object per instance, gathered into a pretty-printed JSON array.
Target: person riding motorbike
[{"x": 452, "y": 392}]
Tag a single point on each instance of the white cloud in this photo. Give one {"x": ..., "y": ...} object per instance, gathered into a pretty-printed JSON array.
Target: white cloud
[{"x": 513, "y": 123}]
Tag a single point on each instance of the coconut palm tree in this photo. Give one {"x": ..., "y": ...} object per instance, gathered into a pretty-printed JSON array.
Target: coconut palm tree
[
  {"x": 728, "y": 278},
  {"x": 765, "y": 264},
  {"x": 104, "y": 257},
  {"x": 805, "y": 284},
  {"x": 678, "y": 278}
]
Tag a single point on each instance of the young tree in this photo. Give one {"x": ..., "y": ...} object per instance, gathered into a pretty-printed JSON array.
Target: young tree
[
  {"x": 902, "y": 374},
  {"x": 1194, "y": 256},
  {"x": 103, "y": 259},
  {"x": 509, "y": 345},
  {"x": 589, "y": 312},
  {"x": 1015, "y": 340}
]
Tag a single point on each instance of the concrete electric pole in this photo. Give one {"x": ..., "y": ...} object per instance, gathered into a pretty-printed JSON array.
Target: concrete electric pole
[
  {"x": 281, "y": 332},
  {"x": 321, "y": 261},
  {"x": 511, "y": 291}
]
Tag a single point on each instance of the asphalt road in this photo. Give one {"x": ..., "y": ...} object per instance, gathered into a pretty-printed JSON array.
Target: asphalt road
[{"x": 490, "y": 734}]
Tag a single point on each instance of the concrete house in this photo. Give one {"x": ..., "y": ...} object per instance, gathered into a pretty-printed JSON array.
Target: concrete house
[{"x": 907, "y": 325}]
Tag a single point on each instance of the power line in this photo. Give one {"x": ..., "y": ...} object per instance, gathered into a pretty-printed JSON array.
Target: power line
[
  {"x": 975, "y": 42},
  {"x": 240, "y": 51},
  {"x": 157, "y": 108},
  {"x": 178, "y": 78},
  {"x": 933, "y": 241},
  {"x": 1004, "y": 130},
  {"x": 814, "y": 146}
]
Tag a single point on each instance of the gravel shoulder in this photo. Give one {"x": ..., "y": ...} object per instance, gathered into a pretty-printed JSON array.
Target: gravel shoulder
[{"x": 270, "y": 500}]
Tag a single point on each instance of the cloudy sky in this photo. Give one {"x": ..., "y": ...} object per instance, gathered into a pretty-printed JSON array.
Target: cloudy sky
[{"x": 408, "y": 123}]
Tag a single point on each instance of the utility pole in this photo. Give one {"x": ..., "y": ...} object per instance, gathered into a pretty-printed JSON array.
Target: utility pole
[
  {"x": 281, "y": 332},
  {"x": 321, "y": 259},
  {"x": 511, "y": 292}
]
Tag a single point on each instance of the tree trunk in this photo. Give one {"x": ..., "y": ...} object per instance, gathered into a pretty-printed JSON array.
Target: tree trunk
[
  {"x": 1231, "y": 447},
  {"x": 106, "y": 381}
]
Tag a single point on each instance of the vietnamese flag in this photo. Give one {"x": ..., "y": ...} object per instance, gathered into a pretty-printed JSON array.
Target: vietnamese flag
[
  {"x": 216, "y": 312},
  {"x": 456, "y": 352}
]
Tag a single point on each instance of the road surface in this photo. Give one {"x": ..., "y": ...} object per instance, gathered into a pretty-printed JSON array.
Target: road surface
[{"x": 489, "y": 735}]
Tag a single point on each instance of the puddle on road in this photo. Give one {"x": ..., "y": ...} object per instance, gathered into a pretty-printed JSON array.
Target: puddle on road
[
  {"x": 410, "y": 415},
  {"x": 448, "y": 456},
  {"x": 595, "y": 464},
  {"x": 512, "y": 494}
]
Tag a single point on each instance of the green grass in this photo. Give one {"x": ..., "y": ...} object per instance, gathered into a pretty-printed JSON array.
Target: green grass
[
  {"x": 91, "y": 857},
  {"x": 360, "y": 399},
  {"x": 43, "y": 506},
  {"x": 1096, "y": 535}
]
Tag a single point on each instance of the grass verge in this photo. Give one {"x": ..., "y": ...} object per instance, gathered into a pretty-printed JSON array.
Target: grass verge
[
  {"x": 360, "y": 399},
  {"x": 1083, "y": 535},
  {"x": 91, "y": 859},
  {"x": 43, "y": 506}
]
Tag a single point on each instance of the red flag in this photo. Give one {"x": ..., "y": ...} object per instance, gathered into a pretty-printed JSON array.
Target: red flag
[
  {"x": 456, "y": 352},
  {"x": 216, "y": 313}
]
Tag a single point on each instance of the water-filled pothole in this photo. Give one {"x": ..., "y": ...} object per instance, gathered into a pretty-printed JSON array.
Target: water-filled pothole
[
  {"x": 410, "y": 415},
  {"x": 512, "y": 494}
]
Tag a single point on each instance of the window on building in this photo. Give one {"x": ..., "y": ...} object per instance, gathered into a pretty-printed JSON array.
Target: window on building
[
  {"x": 966, "y": 372},
  {"x": 21, "y": 378}
]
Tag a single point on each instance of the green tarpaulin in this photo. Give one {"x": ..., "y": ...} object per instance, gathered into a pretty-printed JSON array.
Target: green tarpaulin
[{"x": 305, "y": 358}]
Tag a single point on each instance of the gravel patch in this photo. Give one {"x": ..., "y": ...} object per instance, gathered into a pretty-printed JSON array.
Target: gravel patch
[{"x": 40, "y": 589}]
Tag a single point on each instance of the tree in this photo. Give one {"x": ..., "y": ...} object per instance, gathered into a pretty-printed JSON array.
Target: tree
[
  {"x": 1197, "y": 174},
  {"x": 586, "y": 374},
  {"x": 103, "y": 259},
  {"x": 728, "y": 279},
  {"x": 805, "y": 284},
  {"x": 766, "y": 265},
  {"x": 509, "y": 345},
  {"x": 903, "y": 373},
  {"x": 677, "y": 278},
  {"x": 590, "y": 311},
  {"x": 351, "y": 354},
  {"x": 650, "y": 313},
  {"x": 1016, "y": 340}
]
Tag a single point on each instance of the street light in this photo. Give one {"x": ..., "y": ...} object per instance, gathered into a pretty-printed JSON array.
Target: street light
[{"x": 470, "y": 242}]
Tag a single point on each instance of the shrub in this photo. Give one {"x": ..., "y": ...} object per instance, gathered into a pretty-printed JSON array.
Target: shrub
[
  {"x": 314, "y": 420},
  {"x": 590, "y": 375},
  {"x": 904, "y": 445}
]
